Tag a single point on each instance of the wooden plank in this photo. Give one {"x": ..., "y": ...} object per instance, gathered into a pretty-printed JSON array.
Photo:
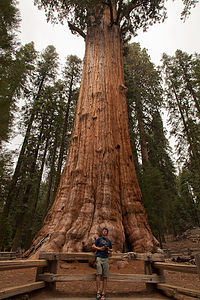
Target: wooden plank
[
  {"x": 172, "y": 290},
  {"x": 91, "y": 256},
  {"x": 92, "y": 277},
  {"x": 48, "y": 277},
  {"x": 197, "y": 261},
  {"x": 136, "y": 278},
  {"x": 9, "y": 255},
  {"x": 21, "y": 264},
  {"x": 176, "y": 267},
  {"x": 27, "y": 288},
  {"x": 67, "y": 256}
]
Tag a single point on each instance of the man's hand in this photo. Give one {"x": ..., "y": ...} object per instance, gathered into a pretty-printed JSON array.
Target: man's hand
[{"x": 102, "y": 248}]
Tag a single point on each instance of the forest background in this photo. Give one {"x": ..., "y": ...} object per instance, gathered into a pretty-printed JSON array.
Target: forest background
[{"x": 38, "y": 100}]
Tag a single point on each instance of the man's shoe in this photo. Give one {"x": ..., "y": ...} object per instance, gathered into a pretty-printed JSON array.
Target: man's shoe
[{"x": 98, "y": 296}]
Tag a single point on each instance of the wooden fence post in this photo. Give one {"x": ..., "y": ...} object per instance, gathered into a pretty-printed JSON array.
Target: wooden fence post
[
  {"x": 52, "y": 269},
  {"x": 197, "y": 261},
  {"x": 150, "y": 287},
  {"x": 40, "y": 270}
]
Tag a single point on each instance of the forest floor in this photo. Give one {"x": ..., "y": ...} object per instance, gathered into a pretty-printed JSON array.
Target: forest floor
[{"x": 116, "y": 290}]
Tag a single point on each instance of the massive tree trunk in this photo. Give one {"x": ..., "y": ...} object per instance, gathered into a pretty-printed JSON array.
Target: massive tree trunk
[{"x": 98, "y": 186}]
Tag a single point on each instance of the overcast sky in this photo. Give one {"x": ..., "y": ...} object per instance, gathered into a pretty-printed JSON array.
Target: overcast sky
[{"x": 167, "y": 37}]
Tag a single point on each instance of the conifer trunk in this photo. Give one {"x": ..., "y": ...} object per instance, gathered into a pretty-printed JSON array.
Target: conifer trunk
[{"x": 98, "y": 186}]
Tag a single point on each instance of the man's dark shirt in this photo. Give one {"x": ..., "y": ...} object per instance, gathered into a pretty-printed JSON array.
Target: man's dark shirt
[{"x": 103, "y": 242}]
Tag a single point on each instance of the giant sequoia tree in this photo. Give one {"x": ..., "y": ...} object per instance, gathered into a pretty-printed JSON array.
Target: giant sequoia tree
[{"x": 98, "y": 186}]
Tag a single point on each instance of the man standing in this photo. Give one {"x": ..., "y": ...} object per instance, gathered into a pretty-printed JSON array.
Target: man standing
[{"x": 103, "y": 246}]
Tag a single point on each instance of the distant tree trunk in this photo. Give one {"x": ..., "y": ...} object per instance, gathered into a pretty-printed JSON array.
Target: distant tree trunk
[
  {"x": 51, "y": 173},
  {"x": 40, "y": 175},
  {"x": 17, "y": 238},
  {"x": 63, "y": 138},
  {"x": 193, "y": 151},
  {"x": 190, "y": 87},
  {"x": 29, "y": 234},
  {"x": 18, "y": 170},
  {"x": 98, "y": 186}
]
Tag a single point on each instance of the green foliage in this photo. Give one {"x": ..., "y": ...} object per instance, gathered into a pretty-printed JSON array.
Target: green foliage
[
  {"x": 181, "y": 73},
  {"x": 155, "y": 200},
  {"x": 131, "y": 15},
  {"x": 182, "y": 101},
  {"x": 14, "y": 79},
  {"x": 143, "y": 96},
  {"x": 5, "y": 175},
  {"x": 190, "y": 201},
  {"x": 9, "y": 22},
  {"x": 47, "y": 120},
  {"x": 156, "y": 172},
  {"x": 188, "y": 4}
]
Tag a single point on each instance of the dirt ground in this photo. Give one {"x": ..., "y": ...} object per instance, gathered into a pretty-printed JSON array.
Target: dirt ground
[{"x": 19, "y": 277}]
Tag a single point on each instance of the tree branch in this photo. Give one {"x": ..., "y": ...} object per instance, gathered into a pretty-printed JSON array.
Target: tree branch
[
  {"x": 119, "y": 11},
  {"x": 111, "y": 12},
  {"x": 129, "y": 7},
  {"x": 72, "y": 27}
]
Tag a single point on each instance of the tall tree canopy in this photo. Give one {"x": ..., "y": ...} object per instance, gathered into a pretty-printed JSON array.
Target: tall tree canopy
[
  {"x": 9, "y": 22},
  {"x": 129, "y": 15},
  {"x": 181, "y": 73},
  {"x": 154, "y": 167}
]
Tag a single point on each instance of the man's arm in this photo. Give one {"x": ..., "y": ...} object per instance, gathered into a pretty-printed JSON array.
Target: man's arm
[
  {"x": 94, "y": 247},
  {"x": 110, "y": 247}
]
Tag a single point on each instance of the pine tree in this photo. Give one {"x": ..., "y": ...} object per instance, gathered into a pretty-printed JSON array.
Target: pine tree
[
  {"x": 157, "y": 175},
  {"x": 182, "y": 102},
  {"x": 72, "y": 75},
  {"x": 9, "y": 22},
  {"x": 22, "y": 179}
]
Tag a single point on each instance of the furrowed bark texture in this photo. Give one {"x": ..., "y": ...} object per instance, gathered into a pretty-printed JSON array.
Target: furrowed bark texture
[{"x": 98, "y": 186}]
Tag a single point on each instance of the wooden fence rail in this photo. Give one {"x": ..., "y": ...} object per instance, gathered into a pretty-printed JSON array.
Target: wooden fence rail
[
  {"x": 9, "y": 255},
  {"x": 172, "y": 290},
  {"x": 50, "y": 276},
  {"x": 47, "y": 276},
  {"x": 21, "y": 264}
]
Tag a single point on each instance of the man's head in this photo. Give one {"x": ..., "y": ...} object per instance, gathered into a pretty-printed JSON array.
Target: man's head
[{"x": 104, "y": 231}]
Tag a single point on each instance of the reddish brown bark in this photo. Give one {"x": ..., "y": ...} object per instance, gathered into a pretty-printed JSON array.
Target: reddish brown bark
[{"x": 98, "y": 186}]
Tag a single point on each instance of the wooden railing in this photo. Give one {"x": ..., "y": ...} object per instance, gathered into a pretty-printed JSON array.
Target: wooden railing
[
  {"x": 51, "y": 277},
  {"x": 9, "y": 255},
  {"x": 172, "y": 290},
  {"x": 21, "y": 264},
  {"x": 184, "y": 252},
  {"x": 46, "y": 274}
]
